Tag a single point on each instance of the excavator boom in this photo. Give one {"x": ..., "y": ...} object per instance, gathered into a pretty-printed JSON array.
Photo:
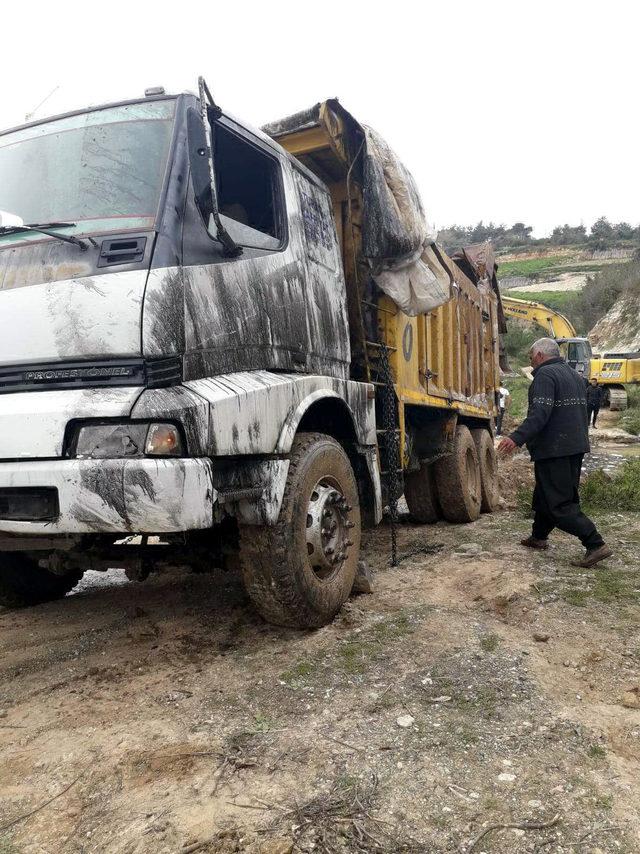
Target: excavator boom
[
  {"x": 611, "y": 372},
  {"x": 556, "y": 324}
]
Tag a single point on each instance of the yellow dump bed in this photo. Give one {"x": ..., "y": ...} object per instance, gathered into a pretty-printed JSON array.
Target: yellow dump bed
[{"x": 446, "y": 358}]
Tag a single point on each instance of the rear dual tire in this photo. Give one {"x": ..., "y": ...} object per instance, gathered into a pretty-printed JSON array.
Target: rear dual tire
[{"x": 457, "y": 487}]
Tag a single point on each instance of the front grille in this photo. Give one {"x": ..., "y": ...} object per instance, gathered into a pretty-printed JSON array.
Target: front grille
[
  {"x": 29, "y": 504},
  {"x": 164, "y": 372},
  {"x": 69, "y": 375},
  {"x": 66, "y": 375}
]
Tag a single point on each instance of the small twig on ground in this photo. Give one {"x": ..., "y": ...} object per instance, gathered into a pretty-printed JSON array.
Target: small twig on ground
[
  {"x": 219, "y": 774},
  {"x": 187, "y": 755},
  {"x": 460, "y": 792},
  {"x": 594, "y": 832},
  {"x": 523, "y": 825},
  {"x": 343, "y": 743},
  {"x": 155, "y": 821},
  {"x": 266, "y": 731},
  {"x": 198, "y": 846},
  {"x": 250, "y": 806},
  {"x": 543, "y": 844},
  {"x": 41, "y": 807}
]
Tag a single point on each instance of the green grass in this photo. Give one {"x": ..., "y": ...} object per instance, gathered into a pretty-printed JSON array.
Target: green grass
[
  {"x": 354, "y": 656},
  {"x": 579, "y": 267},
  {"x": 524, "y": 496},
  {"x": 528, "y": 266},
  {"x": 392, "y": 629},
  {"x": 600, "y": 491},
  {"x": 605, "y": 802},
  {"x": 620, "y": 491},
  {"x": 519, "y": 390},
  {"x": 562, "y": 301},
  {"x": 263, "y": 723},
  {"x": 611, "y": 587},
  {"x": 299, "y": 673},
  {"x": 630, "y": 420},
  {"x": 489, "y": 643},
  {"x": 633, "y": 394},
  {"x": 596, "y": 751}
]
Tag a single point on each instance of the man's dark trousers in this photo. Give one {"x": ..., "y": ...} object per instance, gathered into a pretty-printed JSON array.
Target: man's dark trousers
[
  {"x": 556, "y": 501},
  {"x": 592, "y": 411}
]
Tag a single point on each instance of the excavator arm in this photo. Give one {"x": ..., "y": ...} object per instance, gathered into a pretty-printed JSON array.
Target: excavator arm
[
  {"x": 577, "y": 351},
  {"x": 611, "y": 373},
  {"x": 555, "y": 324}
]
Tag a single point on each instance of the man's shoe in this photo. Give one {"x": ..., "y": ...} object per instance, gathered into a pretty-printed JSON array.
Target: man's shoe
[
  {"x": 593, "y": 556},
  {"x": 532, "y": 543}
]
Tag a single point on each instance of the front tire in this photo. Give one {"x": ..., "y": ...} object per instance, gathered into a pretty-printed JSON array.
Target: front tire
[
  {"x": 300, "y": 571},
  {"x": 24, "y": 583}
]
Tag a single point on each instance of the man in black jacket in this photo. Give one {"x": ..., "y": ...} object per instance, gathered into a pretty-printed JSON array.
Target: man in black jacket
[
  {"x": 556, "y": 434},
  {"x": 594, "y": 401}
]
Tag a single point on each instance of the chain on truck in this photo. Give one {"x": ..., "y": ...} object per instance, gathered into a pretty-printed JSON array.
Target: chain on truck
[{"x": 221, "y": 345}]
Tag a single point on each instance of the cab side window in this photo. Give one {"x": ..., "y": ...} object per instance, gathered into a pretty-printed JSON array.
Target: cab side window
[{"x": 249, "y": 191}]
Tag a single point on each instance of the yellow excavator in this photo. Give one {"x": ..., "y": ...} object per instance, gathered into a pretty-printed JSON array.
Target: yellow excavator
[{"x": 612, "y": 370}]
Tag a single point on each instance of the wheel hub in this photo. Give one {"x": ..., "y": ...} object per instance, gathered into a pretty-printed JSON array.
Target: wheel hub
[{"x": 328, "y": 526}]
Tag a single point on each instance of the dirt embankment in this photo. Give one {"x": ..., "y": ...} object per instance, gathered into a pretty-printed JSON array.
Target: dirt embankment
[
  {"x": 481, "y": 689},
  {"x": 619, "y": 330}
]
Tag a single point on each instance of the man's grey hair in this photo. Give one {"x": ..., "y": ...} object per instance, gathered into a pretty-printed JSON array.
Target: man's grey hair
[{"x": 547, "y": 346}]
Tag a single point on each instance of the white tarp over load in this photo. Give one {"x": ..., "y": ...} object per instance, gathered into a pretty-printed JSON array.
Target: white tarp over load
[
  {"x": 395, "y": 237},
  {"x": 396, "y": 241}
]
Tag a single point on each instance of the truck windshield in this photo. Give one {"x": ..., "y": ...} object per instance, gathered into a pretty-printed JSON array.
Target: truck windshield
[{"x": 103, "y": 170}]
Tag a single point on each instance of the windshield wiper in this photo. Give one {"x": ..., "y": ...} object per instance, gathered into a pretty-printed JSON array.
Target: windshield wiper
[{"x": 43, "y": 228}]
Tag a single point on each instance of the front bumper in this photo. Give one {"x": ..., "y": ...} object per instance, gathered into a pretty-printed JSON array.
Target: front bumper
[{"x": 134, "y": 496}]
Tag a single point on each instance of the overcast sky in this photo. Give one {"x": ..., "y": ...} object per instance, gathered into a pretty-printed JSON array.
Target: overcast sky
[{"x": 503, "y": 111}]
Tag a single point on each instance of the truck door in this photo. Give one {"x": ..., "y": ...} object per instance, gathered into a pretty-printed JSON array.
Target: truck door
[
  {"x": 325, "y": 291},
  {"x": 247, "y": 312}
]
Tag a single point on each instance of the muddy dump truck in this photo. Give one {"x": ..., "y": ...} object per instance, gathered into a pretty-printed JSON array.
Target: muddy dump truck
[{"x": 225, "y": 345}]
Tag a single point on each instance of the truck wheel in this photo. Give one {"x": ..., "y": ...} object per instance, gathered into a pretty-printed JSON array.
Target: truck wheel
[
  {"x": 488, "y": 462},
  {"x": 421, "y": 495},
  {"x": 23, "y": 582},
  {"x": 300, "y": 571},
  {"x": 458, "y": 479}
]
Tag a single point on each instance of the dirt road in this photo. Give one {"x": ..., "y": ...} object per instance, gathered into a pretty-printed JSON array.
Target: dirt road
[{"x": 481, "y": 685}]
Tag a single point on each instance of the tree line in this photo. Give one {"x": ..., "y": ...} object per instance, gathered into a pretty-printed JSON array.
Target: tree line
[{"x": 602, "y": 235}]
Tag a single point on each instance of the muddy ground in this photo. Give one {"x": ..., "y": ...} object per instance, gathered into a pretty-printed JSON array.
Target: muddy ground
[{"x": 482, "y": 685}]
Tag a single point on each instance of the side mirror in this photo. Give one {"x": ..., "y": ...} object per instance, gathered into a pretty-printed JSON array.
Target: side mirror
[
  {"x": 198, "y": 150},
  {"x": 10, "y": 220}
]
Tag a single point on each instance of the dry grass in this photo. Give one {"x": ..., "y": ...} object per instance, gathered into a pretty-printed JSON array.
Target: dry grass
[{"x": 341, "y": 820}]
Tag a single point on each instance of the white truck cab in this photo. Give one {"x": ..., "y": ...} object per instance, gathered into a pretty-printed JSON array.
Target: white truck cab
[{"x": 174, "y": 359}]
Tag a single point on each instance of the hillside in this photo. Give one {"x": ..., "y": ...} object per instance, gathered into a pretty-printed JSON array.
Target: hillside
[
  {"x": 553, "y": 268},
  {"x": 619, "y": 330}
]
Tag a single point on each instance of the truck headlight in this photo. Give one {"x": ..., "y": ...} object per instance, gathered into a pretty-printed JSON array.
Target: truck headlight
[
  {"x": 163, "y": 440},
  {"x": 134, "y": 439}
]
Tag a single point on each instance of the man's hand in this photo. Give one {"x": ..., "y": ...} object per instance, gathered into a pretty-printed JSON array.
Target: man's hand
[{"x": 506, "y": 447}]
